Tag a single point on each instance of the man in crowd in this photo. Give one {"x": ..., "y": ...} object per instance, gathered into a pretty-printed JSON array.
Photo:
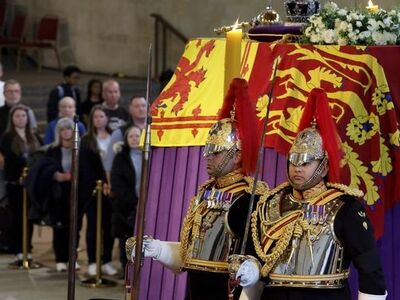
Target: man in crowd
[
  {"x": 12, "y": 96},
  {"x": 69, "y": 88},
  {"x": 137, "y": 111},
  {"x": 215, "y": 222},
  {"x": 308, "y": 230},
  {"x": 118, "y": 116}
]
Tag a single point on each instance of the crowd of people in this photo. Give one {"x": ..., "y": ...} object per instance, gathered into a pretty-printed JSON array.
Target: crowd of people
[{"x": 109, "y": 151}]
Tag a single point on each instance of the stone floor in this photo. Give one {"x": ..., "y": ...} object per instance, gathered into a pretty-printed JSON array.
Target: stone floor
[{"x": 46, "y": 283}]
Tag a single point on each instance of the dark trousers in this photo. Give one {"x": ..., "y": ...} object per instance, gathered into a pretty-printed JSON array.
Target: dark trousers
[
  {"x": 15, "y": 197},
  {"x": 108, "y": 239},
  {"x": 208, "y": 285},
  {"x": 61, "y": 243}
]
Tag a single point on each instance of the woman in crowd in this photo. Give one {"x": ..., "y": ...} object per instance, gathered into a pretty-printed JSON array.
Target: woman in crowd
[
  {"x": 92, "y": 153},
  {"x": 66, "y": 109},
  {"x": 60, "y": 151},
  {"x": 126, "y": 170},
  {"x": 16, "y": 145},
  {"x": 94, "y": 97}
]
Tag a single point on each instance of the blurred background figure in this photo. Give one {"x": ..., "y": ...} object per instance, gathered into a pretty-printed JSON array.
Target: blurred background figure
[
  {"x": 118, "y": 116},
  {"x": 66, "y": 109},
  {"x": 69, "y": 88},
  {"x": 94, "y": 91},
  {"x": 60, "y": 151},
  {"x": 16, "y": 145},
  {"x": 93, "y": 147},
  {"x": 125, "y": 181},
  {"x": 137, "y": 111},
  {"x": 13, "y": 96}
]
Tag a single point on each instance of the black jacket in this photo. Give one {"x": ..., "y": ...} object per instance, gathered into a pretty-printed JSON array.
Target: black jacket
[
  {"x": 13, "y": 163},
  {"x": 49, "y": 199},
  {"x": 123, "y": 180},
  {"x": 90, "y": 171}
]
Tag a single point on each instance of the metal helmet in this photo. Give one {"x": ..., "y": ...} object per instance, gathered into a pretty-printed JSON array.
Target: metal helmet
[{"x": 222, "y": 136}]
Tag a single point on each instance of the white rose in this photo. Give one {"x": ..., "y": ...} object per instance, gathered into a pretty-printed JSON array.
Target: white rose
[
  {"x": 343, "y": 25},
  {"x": 315, "y": 38},
  {"x": 342, "y": 12},
  {"x": 364, "y": 34},
  {"x": 329, "y": 36},
  {"x": 379, "y": 38},
  {"x": 358, "y": 24},
  {"x": 354, "y": 16},
  {"x": 330, "y": 6},
  {"x": 352, "y": 37},
  {"x": 390, "y": 37},
  {"x": 350, "y": 27},
  {"x": 373, "y": 25}
]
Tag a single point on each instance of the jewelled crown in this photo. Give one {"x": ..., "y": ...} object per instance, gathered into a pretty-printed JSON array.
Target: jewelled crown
[{"x": 298, "y": 11}]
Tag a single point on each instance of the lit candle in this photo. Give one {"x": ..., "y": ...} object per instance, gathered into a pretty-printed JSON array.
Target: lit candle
[
  {"x": 371, "y": 7},
  {"x": 233, "y": 53}
]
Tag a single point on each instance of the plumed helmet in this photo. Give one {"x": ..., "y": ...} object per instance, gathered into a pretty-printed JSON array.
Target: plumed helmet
[
  {"x": 306, "y": 147},
  {"x": 236, "y": 127},
  {"x": 317, "y": 137},
  {"x": 222, "y": 136}
]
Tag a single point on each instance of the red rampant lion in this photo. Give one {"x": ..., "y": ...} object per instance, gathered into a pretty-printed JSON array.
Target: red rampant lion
[{"x": 185, "y": 77}]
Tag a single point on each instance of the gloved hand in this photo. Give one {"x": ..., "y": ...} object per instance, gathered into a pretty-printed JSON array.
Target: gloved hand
[
  {"x": 151, "y": 247},
  {"x": 167, "y": 253},
  {"x": 248, "y": 273}
]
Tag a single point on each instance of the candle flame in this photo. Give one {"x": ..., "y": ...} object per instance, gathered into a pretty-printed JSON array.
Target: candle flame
[
  {"x": 370, "y": 3},
  {"x": 236, "y": 25}
]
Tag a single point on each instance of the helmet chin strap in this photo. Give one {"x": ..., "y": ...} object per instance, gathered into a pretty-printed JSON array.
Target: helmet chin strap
[
  {"x": 225, "y": 160},
  {"x": 313, "y": 180}
]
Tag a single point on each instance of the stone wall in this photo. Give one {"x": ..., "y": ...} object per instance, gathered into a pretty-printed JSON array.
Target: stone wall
[{"x": 111, "y": 36}]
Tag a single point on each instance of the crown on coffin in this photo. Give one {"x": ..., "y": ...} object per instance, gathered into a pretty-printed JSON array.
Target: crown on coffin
[{"x": 298, "y": 11}]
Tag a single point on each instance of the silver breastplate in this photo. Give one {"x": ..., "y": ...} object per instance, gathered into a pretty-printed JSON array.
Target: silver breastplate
[
  {"x": 212, "y": 241},
  {"x": 314, "y": 258}
]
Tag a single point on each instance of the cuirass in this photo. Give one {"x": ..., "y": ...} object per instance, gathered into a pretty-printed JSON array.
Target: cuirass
[
  {"x": 314, "y": 257},
  {"x": 212, "y": 239}
]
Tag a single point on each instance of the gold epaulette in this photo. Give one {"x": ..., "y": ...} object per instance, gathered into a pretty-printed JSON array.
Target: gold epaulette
[
  {"x": 261, "y": 189},
  {"x": 346, "y": 189},
  {"x": 274, "y": 191}
]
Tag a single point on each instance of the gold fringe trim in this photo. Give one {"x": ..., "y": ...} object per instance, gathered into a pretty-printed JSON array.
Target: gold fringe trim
[{"x": 346, "y": 189}]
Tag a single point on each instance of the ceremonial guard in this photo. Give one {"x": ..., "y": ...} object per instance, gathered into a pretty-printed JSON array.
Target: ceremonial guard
[
  {"x": 308, "y": 230},
  {"x": 215, "y": 222}
]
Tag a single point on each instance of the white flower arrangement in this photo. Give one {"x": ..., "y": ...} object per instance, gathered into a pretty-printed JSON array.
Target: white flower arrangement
[{"x": 334, "y": 25}]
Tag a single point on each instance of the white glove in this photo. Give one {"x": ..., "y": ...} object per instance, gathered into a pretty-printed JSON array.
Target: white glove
[
  {"x": 248, "y": 273},
  {"x": 150, "y": 246},
  {"x": 167, "y": 253},
  {"x": 362, "y": 296}
]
